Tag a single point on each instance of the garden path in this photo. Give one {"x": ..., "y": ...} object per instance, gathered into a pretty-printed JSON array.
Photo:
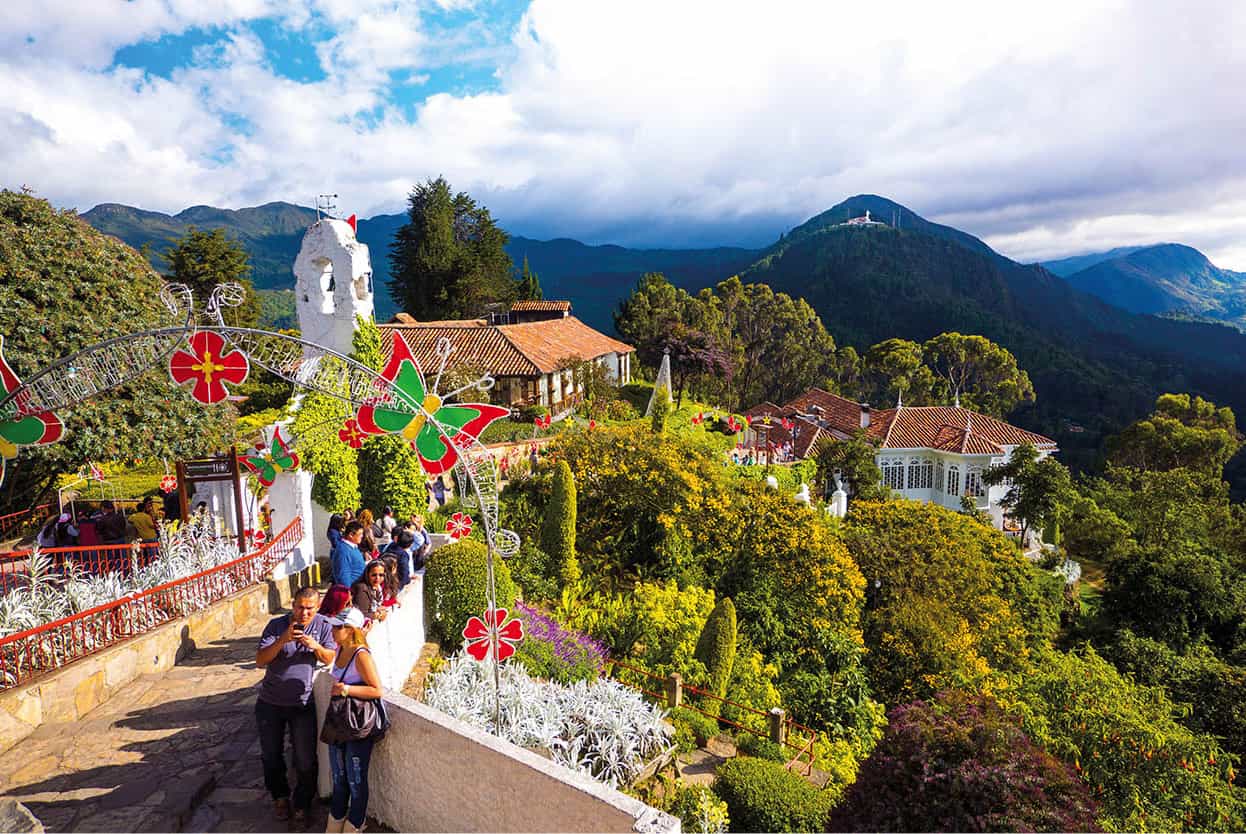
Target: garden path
[{"x": 178, "y": 752}]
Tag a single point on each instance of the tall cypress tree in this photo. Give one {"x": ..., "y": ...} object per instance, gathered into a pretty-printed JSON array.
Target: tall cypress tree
[
  {"x": 449, "y": 259},
  {"x": 529, "y": 284},
  {"x": 558, "y": 527}
]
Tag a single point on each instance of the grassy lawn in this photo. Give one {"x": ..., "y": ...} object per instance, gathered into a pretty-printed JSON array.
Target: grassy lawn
[{"x": 1091, "y": 586}]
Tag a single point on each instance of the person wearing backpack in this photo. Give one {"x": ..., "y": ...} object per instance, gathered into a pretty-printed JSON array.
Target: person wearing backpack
[{"x": 354, "y": 677}]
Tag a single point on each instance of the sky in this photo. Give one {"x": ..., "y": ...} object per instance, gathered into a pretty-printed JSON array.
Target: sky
[{"x": 1046, "y": 129}]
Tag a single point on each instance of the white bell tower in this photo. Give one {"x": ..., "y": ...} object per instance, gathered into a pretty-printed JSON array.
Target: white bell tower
[{"x": 333, "y": 284}]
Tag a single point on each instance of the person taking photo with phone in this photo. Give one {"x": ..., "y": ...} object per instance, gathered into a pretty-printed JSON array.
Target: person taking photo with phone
[{"x": 288, "y": 652}]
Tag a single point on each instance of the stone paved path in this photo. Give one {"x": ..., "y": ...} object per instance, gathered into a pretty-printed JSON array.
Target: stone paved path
[{"x": 177, "y": 752}]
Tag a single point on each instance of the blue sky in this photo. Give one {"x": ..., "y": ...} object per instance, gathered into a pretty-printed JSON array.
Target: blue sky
[{"x": 1046, "y": 129}]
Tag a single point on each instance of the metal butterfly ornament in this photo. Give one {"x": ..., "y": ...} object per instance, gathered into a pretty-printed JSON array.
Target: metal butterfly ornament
[
  {"x": 439, "y": 429},
  {"x": 280, "y": 458}
]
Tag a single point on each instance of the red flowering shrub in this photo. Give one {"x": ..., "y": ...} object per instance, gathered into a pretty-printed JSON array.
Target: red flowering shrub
[{"x": 960, "y": 763}]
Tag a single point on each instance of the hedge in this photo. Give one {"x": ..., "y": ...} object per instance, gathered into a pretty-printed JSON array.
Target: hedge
[
  {"x": 765, "y": 796},
  {"x": 454, "y": 588}
]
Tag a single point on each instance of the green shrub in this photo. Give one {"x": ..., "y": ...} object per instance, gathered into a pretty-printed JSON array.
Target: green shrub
[
  {"x": 762, "y": 748},
  {"x": 699, "y": 810},
  {"x": 702, "y": 726},
  {"x": 765, "y": 796},
  {"x": 661, "y": 408},
  {"x": 528, "y": 413},
  {"x": 617, "y": 410},
  {"x": 454, "y": 588},
  {"x": 558, "y": 528},
  {"x": 534, "y": 573},
  {"x": 716, "y": 649}
]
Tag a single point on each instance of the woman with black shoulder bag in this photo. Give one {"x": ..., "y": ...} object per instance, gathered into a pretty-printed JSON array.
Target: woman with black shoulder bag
[{"x": 354, "y": 722}]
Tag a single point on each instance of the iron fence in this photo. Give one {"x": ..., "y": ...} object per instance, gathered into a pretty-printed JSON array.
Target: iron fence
[{"x": 37, "y": 651}]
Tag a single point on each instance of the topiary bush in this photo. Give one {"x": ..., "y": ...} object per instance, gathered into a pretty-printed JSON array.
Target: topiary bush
[
  {"x": 716, "y": 649},
  {"x": 765, "y": 796},
  {"x": 762, "y": 748},
  {"x": 454, "y": 588},
  {"x": 558, "y": 527}
]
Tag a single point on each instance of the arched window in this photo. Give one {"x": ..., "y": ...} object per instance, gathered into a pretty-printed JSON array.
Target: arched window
[
  {"x": 938, "y": 476},
  {"x": 921, "y": 473},
  {"x": 953, "y": 480},
  {"x": 973, "y": 482}
]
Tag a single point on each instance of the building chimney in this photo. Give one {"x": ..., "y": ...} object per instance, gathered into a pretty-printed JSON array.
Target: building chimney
[{"x": 865, "y": 415}]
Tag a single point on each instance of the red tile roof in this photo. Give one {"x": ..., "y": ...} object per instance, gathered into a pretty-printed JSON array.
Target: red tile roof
[
  {"x": 949, "y": 429},
  {"x": 540, "y": 306},
  {"x": 839, "y": 413},
  {"x": 528, "y": 349}
]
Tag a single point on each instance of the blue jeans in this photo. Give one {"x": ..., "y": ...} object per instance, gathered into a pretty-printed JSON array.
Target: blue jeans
[
  {"x": 349, "y": 765},
  {"x": 301, "y": 721}
]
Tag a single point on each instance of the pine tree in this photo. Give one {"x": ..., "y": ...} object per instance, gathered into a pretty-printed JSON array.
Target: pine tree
[
  {"x": 201, "y": 260},
  {"x": 661, "y": 407},
  {"x": 389, "y": 469},
  {"x": 558, "y": 526},
  {"x": 529, "y": 284},
  {"x": 716, "y": 648},
  {"x": 448, "y": 260}
]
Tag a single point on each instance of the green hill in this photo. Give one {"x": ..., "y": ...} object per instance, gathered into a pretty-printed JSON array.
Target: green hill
[{"x": 1167, "y": 278}]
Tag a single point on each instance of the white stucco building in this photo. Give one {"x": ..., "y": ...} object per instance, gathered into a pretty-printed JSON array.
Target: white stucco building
[{"x": 925, "y": 453}]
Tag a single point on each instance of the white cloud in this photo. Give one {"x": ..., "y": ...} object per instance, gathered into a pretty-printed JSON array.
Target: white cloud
[{"x": 1045, "y": 128}]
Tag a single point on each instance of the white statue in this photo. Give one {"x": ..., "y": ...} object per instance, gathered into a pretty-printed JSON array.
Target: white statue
[
  {"x": 772, "y": 482},
  {"x": 802, "y": 495}
]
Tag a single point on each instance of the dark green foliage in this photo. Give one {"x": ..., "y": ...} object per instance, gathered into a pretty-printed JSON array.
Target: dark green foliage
[
  {"x": 762, "y": 748},
  {"x": 960, "y": 763},
  {"x": 716, "y": 648},
  {"x": 529, "y": 285},
  {"x": 558, "y": 528},
  {"x": 534, "y": 572},
  {"x": 702, "y": 727},
  {"x": 202, "y": 260},
  {"x": 1038, "y": 490},
  {"x": 855, "y": 462},
  {"x": 1182, "y": 432},
  {"x": 455, "y": 589},
  {"x": 390, "y": 474},
  {"x": 63, "y": 287},
  {"x": 448, "y": 261},
  {"x": 278, "y": 310},
  {"x": 765, "y": 796}
]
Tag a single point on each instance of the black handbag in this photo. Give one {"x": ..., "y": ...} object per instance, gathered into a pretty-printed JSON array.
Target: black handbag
[{"x": 354, "y": 719}]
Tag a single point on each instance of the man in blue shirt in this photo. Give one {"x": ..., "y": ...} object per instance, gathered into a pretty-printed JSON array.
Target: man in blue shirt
[
  {"x": 288, "y": 652},
  {"x": 347, "y": 561}
]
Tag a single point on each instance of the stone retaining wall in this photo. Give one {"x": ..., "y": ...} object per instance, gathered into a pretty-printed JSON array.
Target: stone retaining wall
[{"x": 70, "y": 693}]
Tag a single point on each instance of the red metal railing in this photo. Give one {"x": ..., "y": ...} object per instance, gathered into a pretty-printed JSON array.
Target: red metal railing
[
  {"x": 97, "y": 560},
  {"x": 804, "y": 736},
  {"x": 36, "y": 651},
  {"x": 14, "y": 521}
]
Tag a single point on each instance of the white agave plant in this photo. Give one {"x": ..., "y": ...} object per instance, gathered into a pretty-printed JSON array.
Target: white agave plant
[
  {"x": 602, "y": 729},
  {"x": 45, "y": 595}
]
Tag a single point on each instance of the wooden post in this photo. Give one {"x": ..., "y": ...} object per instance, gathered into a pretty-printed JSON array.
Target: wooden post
[
  {"x": 674, "y": 690},
  {"x": 778, "y": 725},
  {"x": 183, "y": 498},
  {"x": 237, "y": 483}
]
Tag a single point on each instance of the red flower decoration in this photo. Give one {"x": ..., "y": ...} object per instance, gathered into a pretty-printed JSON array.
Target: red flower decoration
[
  {"x": 209, "y": 364},
  {"x": 351, "y": 434},
  {"x": 459, "y": 526},
  {"x": 699, "y": 418},
  {"x": 542, "y": 422},
  {"x": 592, "y": 424},
  {"x": 479, "y": 633},
  {"x": 168, "y": 483},
  {"x": 732, "y": 425},
  {"x": 462, "y": 440}
]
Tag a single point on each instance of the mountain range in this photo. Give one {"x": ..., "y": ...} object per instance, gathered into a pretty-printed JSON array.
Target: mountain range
[
  {"x": 1095, "y": 365},
  {"x": 596, "y": 278},
  {"x": 1166, "y": 278}
]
